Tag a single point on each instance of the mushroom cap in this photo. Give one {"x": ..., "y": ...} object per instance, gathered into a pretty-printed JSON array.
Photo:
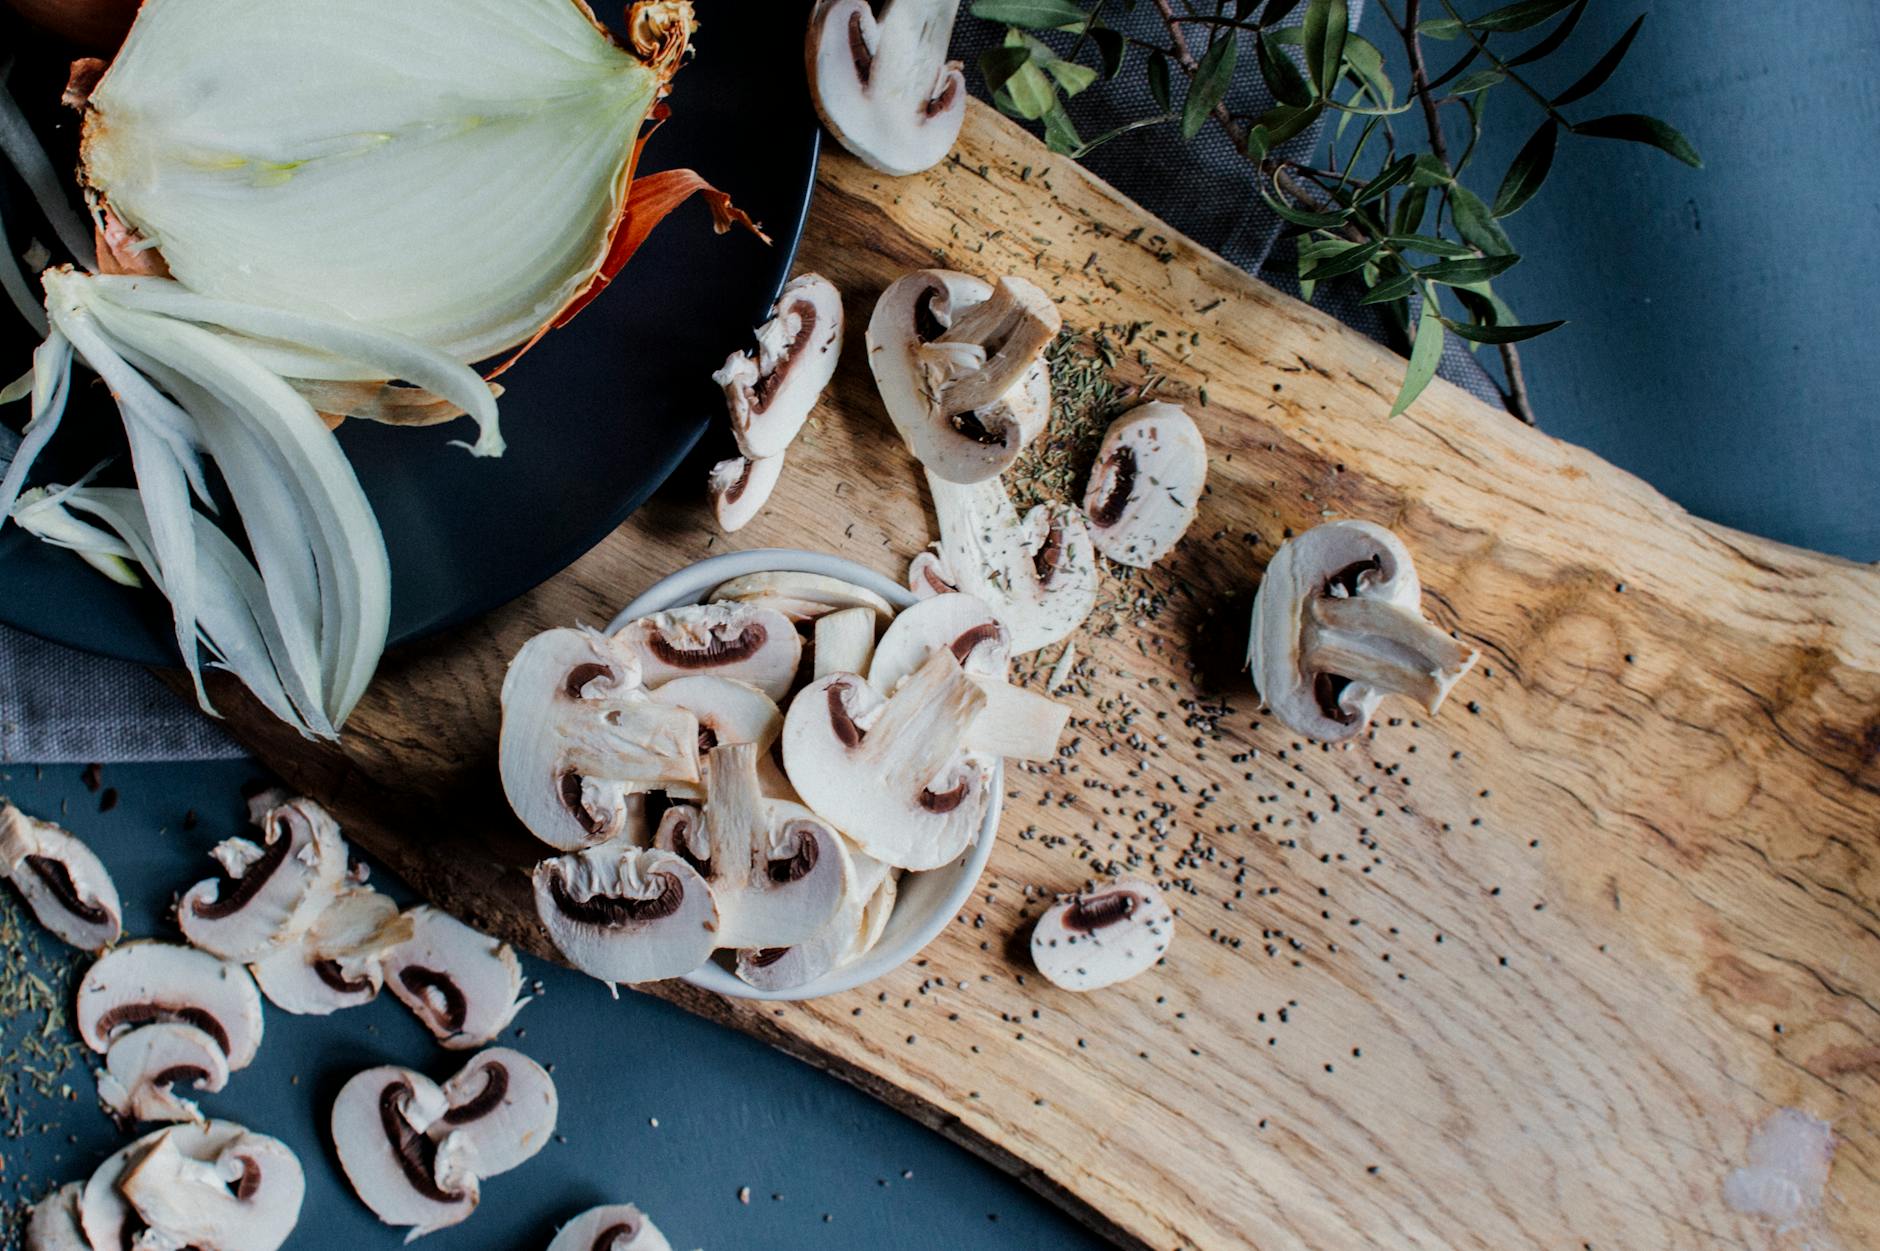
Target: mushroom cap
[
  {"x": 144, "y": 1065},
  {"x": 381, "y": 1121},
  {"x": 337, "y": 962},
  {"x": 770, "y": 395},
  {"x": 61, "y": 879},
  {"x": 777, "y": 871},
  {"x": 463, "y": 986},
  {"x": 502, "y": 1109},
  {"x": 740, "y": 487},
  {"x": 53, "y": 1225},
  {"x": 1102, "y": 937},
  {"x": 749, "y": 642},
  {"x": 884, "y": 87},
  {"x": 1038, "y": 574},
  {"x": 627, "y": 914},
  {"x": 613, "y": 1227},
  {"x": 242, "y": 1194},
  {"x": 270, "y": 891},
  {"x": 144, "y": 982},
  {"x": 728, "y": 711},
  {"x": 106, "y": 1215},
  {"x": 1146, "y": 483},
  {"x": 799, "y": 596},
  {"x": 961, "y": 623},
  {"x": 843, "y": 939}
]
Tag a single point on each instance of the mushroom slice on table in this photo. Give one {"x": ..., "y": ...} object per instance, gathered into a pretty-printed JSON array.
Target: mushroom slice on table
[
  {"x": 144, "y": 1065},
  {"x": 464, "y": 986},
  {"x": 53, "y": 1224},
  {"x": 892, "y": 773},
  {"x": 740, "y": 487},
  {"x": 580, "y": 735},
  {"x": 338, "y": 962},
  {"x": 844, "y": 642},
  {"x": 884, "y": 86},
  {"x": 1038, "y": 575},
  {"x": 62, "y": 881},
  {"x": 800, "y": 596},
  {"x": 1104, "y": 936},
  {"x": 728, "y": 711},
  {"x": 1146, "y": 484},
  {"x": 381, "y": 1126},
  {"x": 144, "y": 982},
  {"x": 1338, "y": 624},
  {"x": 776, "y": 869},
  {"x": 502, "y": 1110},
  {"x": 771, "y": 394},
  {"x": 268, "y": 892},
  {"x": 242, "y": 1194},
  {"x": 627, "y": 914},
  {"x": 749, "y": 642},
  {"x": 837, "y": 943},
  {"x": 612, "y": 1227}
]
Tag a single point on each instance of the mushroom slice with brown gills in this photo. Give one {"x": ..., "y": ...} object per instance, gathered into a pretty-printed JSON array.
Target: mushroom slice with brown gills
[
  {"x": 106, "y": 1215},
  {"x": 800, "y": 597},
  {"x": 892, "y": 773},
  {"x": 845, "y": 641},
  {"x": 627, "y": 914},
  {"x": 269, "y": 891},
  {"x": 770, "y": 395},
  {"x": 242, "y": 1194},
  {"x": 581, "y": 735},
  {"x": 144, "y": 982},
  {"x": 53, "y": 1224},
  {"x": 960, "y": 367},
  {"x": 777, "y": 870},
  {"x": 728, "y": 711},
  {"x": 381, "y": 1126},
  {"x": 1038, "y": 574},
  {"x": 1104, "y": 936},
  {"x": 1146, "y": 484},
  {"x": 928, "y": 576},
  {"x": 338, "y": 962},
  {"x": 740, "y": 487},
  {"x": 502, "y": 1110},
  {"x": 144, "y": 1065},
  {"x": 1338, "y": 624},
  {"x": 884, "y": 86},
  {"x": 612, "y": 1227},
  {"x": 60, "y": 878},
  {"x": 835, "y": 944},
  {"x": 748, "y": 642},
  {"x": 463, "y": 986}
]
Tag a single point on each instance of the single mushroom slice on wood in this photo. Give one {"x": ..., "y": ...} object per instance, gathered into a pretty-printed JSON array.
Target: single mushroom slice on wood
[
  {"x": 380, "y": 1123},
  {"x": 267, "y": 892},
  {"x": 883, "y": 85},
  {"x": 845, "y": 641},
  {"x": 838, "y": 942},
  {"x": 144, "y": 1064},
  {"x": 892, "y": 773},
  {"x": 800, "y": 597},
  {"x": 770, "y": 395},
  {"x": 740, "y": 487},
  {"x": 749, "y": 642},
  {"x": 464, "y": 986},
  {"x": 502, "y": 1110},
  {"x": 53, "y": 1224},
  {"x": 144, "y": 982},
  {"x": 1338, "y": 624},
  {"x": 62, "y": 881},
  {"x": 1146, "y": 484},
  {"x": 338, "y": 962},
  {"x": 240, "y": 1195},
  {"x": 1104, "y": 936},
  {"x": 611, "y": 1227},
  {"x": 728, "y": 711},
  {"x": 776, "y": 869},
  {"x": 581, "y": 735},
  {"x": 1038, "y": 575},
  {"x": 627, "y": 914}
]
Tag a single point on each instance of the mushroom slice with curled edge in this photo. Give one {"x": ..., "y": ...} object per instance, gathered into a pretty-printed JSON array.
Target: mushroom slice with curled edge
[
  {"x": 612, "y": 1227},
  {"x": 338, "y": 962},
  {"x": 962, "y": 624},
  {"x": 892, "y": 773},
  {"x": 884, "y": 86},
  {"x": 53, "y": 1224},
  {"x": 627, "y": 914},
  {"x": 143, "y": 1065},
  {"x": 1146, "y": 484},
  {"x": 381, "y": 1126},
  {"x": 1038, "y": 575},
  {"x": 845, "y": 641},
  {"x": 776, "y": 869},
  {"x": 268, "y": 892},
  {"x": 928, "y": 576},
  {"x": 106, "y": 1215},
  {"x": 463, "y": 986},
  {"x": 61, "y": 879},
  {"x": 580, "y": 735},
  {"x": 839, "y": 941},
  {"x": 800, "y": 596},
  {"x": 502, "y": 1110},
  {"x": 1338, "y": 624},
  {"x": 243, "y": 1194},
  {"x": 144, "y": 982},
  {"x": 770, "y": 395},
  {"x": 749, "y": 642},
  {"x": 740, "y": 487},
  {"x": 728, "y": 711},
  {"x": 960, "y": 367},
  {"x": 875, "y": 914},
  {"x": 1104, "y": 936}
]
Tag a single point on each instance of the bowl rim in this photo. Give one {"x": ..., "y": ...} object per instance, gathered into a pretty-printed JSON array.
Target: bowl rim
[{"x": 690, "y": 585}]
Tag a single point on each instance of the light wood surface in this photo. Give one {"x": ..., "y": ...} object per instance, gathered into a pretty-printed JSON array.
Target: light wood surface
[{"x": 1526, "y": 975}]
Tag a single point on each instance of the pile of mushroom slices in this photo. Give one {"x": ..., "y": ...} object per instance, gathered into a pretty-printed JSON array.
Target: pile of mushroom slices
[{"x": 752, "y": 774}]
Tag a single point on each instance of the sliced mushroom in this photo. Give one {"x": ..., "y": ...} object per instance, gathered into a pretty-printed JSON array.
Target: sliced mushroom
[
  {"x": 463, "y": 986},
  {"x": 614, "y": 1227},
  {"x": 106, "y": 1215},
  {"x": 892, "y": 774},
  {"x": 728, "y": 711},
  {"x": 875, "y": 916},
  {"x": 749, "y": 642},
  {"x": 800, "y": 596},
  {"x": 240, "y": 1195},
  {"x": 1338, "y": 624},
  {"x": 839, "y": 941},
  {"x": 53, "y": 1225},
  {"x": 580, "y": 735},
  {"x": 627, "y": 914},
  {"x": 381, "y": 1131},
  {"x": 740, "y": 487},
  {"x": 338, "y": 962},
  {"x": 1146, "y": 484},
  {"x": 62, "y": 881},
  {"x": 961, "y": 624},
  {"x": 264, "y": 801},
  {"x": 269, "y": 892},
  {"x": 770, "y": 395},
  {"x": 1038, "y": 575},
  {"x": 928, "y": 576},
  {"x": 502, "y": 1110},
  {"x": 145, "y": 982},
  {"x": 1016, "y": 723},
  {"x": 845, "y": 641},
  {"x": 884, "y": 86},
  {"x": 1102, "y": 937},
  {"x": 144, "y": 1064},
  {"x": 776, "y": 870}
]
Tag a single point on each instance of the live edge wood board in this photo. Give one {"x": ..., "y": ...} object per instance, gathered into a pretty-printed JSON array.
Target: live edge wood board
[{"x": 1529, "y": 974}]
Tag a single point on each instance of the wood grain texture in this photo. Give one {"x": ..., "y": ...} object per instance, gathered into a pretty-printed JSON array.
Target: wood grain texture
[{"x": 1527, "y": 975}]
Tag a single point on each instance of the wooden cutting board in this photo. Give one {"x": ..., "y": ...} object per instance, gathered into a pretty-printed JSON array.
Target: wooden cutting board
[{"x": 1530, "y": 974}]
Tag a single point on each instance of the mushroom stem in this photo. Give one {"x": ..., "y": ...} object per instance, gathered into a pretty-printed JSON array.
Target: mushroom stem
[
  {"x": 1385, "y": 646},
  {"x": 989, "y": 347}
]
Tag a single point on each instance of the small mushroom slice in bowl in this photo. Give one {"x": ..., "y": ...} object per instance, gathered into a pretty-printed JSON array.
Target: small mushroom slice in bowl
[
  {"x": 61, "y": 879},
  {"x": 610, "y": 1227},
  {"x": 1146, "y": 484},
  {"x": 740, "y": 487},
  {"x": 776, "y": 870},
  {"x": 240, "y": 1194},
  {"x": 627, "y": 914},
  {"x": 1102, "y": 937},
  {"x": 800, "y": 597},
  {"x": 339, "y": 962},
  {"x": 1338, "y": 624},
  {"x": 144, "y": 982},
  {"x": 749, "y": 642},
  {"x": 502, "y": 1110},
  {"x": 770, "y": 395},
  {"x": 381, "y": 1124},
  {"x": 845, "y": 937},
  {"x": 464, "y": 986},
  {"x": 1038, "y": 574},
  {"x": 844, "y": 642},
  {"x": 727, "y": 711},
  {"x": 883, "y": 85},
  {"x": 268, "y": 892},
  {"x": 928, "y": 576},
  {"x": 144, "y": 1066}
]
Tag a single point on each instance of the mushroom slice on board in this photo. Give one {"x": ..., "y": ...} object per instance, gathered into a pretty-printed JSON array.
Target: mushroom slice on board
[
  {"x": 613, "y": 1227},
  {"x": 770, "y": 395},
  {"x": 748, "y": 642},
  {"x": 1104, "y": 936},
  {"x": 268, "y": 892},
  {"x": 62, "y": 881},
  {"x": 381, "y": 1126},
  {"x": 740, "y": 487},
  {"x": 844, "y": 642},
  {"x": 243, "y": 1194},
  {"x": 800, "y": 596},
  {"x": 144, "y": 1065},
  {"x": 776, "y": 869},
  {"x": 839, "y": 941},
  {"x": 960, "y": 367},
  {"x": 144, "y": 982},
  {"x": 962, "y": 624},
  {"x": 627, "y": 914},
  {"x": 928, "y": 576},
  {"x": 53, "y": 1224},
  {"x": 580, "y": 735},
  {"x": 463, "y": 986},
  {"x": 502, "y": 1110},
  {"x": 892, "y": 774},
  {"x": 1038, "y": 575},
  {"x": 1146, "y": 484},
  {"x": 338, "y": 962},
  {"x": 1338, "y": 624},
  {"x": 884, "y": 86},
  {"x": 728, "y": 711}
]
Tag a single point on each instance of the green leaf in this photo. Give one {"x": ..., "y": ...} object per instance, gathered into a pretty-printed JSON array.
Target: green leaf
[
  {"x": 1430, "y": 172},
  {"x": 997, "y": 65},
  {"x": 1528, "y": 170},
  {"x": 1468, "y": 269},
  {"x": 1071, "y": 76},
  {"x": 1390, "y": 289},
  {"x": 1367, "y": 67},
  {"x": 1303, "y": 217},
  {"x": 1213, "y": 76},
  {"x": 1158, "y": 80},
  {"x": 1284, "y": 121},
  {"x": 1326, "y": 24},
  {"x": 1638, "y": 128},
  {"x": 1387, "y": 178},
  {"x": 1410, "y": 210},
  {"x": 1124, "y": 129},
  {"x": 1481, "y": 80},
  {"x": 1030, "y": 92},
  {"x": 1259, "y": 143},
  {"x": 1439, "y": 28},
  {"x": 1281, "y": 75},
  {"x": 1425, "y": 354},
  {"x": 1112, "y": 48},
  {"x": 1592, "y": 80},
  {"x": 1551, "y": 42},
  {"x": 1462, "y": 62},
  {"x": 1032, "y": 14},
  {"x": 1500, "y": 334},
  {"x": 1518, "y": 16},
  {"x": 1352, "y": 258},
  {"x": 1060, "y": 135},
  {"x": 1475, "y": 223},
  {"x": 1428, "y": 243},
  {"x": 1474, "y": 106}
]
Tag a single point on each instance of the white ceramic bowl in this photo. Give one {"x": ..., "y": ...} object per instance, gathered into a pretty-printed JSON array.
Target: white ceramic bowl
[{"x": 927, "y": 901}]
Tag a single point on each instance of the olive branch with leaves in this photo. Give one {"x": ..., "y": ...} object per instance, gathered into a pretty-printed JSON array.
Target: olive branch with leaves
[{"x": 1426, "y": 247}]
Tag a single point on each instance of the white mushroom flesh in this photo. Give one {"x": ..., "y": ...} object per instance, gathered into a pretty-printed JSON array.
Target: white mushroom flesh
[
  {"x": 141, "y": 983},
  {"x": 740, "y": 487},
  {"x": 776, "y": 870},
  {"x": 106, "y": 1215},
  {"x": 770, "y": 395},
  {"x": 613, "y": 1227},
  {"x": 841, "y": 941},
  {"x": 60, "y": 878},
  {"x": 1146, "y": 484},
  {"x": 627, "y": 914},
  {"x": 727, "y": 711},
  {"x": 800, "y": 596},
  {"x": 749, "y": 642},
  {"x": 845, "y": 641},
  {"x": 268, "y": 892},
  {"x": 1038, "y": 575},
  {"x": 240, "y": 1195},
  {"x": 381, "y": 1121},
  {"x": 1016, "y": 723},
  {"x": 144, "y": 1066},
  {"x": 962, "y": 624},
  {"x": 1104, "y": 936},
  {"x": 53, "y": 1224},
  {"x": 928, "y": 576},
  {"x": 502, "y": 1110},
  {"x": 883, "y": 85},
  {"x": 338, "y": 962},
  {"x": 464, "y": 986}
]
